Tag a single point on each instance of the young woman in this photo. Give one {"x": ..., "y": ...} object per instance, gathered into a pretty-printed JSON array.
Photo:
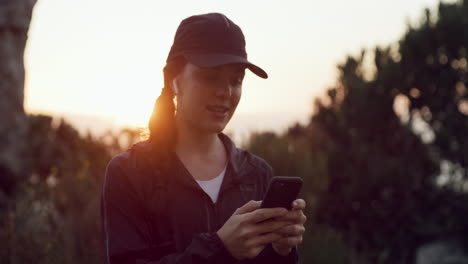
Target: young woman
[{"x": 188, "y": 194}]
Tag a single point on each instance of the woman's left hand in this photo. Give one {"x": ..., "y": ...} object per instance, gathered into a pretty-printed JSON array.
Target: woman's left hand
[{"x": 292, "y": 234}]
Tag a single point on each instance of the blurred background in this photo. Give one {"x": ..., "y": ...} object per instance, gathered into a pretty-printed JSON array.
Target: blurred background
[{"x": 367, "y": 101}]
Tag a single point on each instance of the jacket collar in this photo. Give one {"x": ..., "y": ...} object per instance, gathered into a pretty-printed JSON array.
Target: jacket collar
[
  {"x": 234, "y": 155},
  {"x": 236, "y": 160},
  {"x": 233, "y": 170}
]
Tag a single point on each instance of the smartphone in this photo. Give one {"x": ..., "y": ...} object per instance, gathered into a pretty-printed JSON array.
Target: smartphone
[{"x": 281, "y": 192}]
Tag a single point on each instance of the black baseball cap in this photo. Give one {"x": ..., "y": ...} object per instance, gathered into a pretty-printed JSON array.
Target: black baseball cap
[{"x": 211, "y": 40}]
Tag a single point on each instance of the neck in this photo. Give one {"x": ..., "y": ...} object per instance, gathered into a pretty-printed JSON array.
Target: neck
[{"x": 193, "y": 141}]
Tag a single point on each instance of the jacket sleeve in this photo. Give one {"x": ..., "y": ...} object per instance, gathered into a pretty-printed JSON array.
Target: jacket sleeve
[
  {"x": 127, "y": 235},
  {"x": 269, "y": 255}
]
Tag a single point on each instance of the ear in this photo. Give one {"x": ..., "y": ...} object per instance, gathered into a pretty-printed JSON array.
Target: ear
[{"x": 174, "y": 86}]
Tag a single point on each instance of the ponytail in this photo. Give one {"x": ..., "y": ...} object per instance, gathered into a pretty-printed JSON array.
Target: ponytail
[{"x": 162, "y": 127}]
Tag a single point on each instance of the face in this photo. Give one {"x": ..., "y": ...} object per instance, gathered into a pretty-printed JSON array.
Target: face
[{"x": 208, "y": 97}]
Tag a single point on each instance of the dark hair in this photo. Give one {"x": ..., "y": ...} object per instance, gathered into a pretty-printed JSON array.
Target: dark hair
[{"x": 162, "y": 128}]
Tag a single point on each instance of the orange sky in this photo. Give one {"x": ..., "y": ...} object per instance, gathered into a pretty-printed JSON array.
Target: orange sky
[{"x": 104, "y": 58}]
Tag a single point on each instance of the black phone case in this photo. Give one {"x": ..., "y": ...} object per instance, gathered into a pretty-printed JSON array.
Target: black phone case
[{"x": 281, "y": 192}]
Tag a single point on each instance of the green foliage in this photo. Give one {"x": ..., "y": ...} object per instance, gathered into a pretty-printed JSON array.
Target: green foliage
[
  {"x": 434, "y": 76},
  {"x": 56, "y": 216},
  {"x": 369, "y": 173}
]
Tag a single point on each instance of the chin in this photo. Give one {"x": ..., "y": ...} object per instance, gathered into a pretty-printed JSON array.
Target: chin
[
  {"x": 212, "y": 126},
  {"x": 216, "y": 128}
]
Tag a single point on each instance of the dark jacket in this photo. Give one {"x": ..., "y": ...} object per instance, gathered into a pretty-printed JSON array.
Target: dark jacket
[{"x": 149, "y": 218}]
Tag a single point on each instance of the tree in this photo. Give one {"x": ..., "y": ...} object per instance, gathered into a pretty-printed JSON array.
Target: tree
[
  {"x": 15, "y": 17},
  {"x": 374, "y": 174},
  {"x": 433, "y": 74},
  {"x": 377, "y": 168},
  {"x": 385, "y": 195}
]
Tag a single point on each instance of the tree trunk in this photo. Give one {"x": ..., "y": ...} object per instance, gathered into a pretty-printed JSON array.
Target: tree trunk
[
  {"x": 15, "y": 16},
  {"x": 15, "y": 160}
]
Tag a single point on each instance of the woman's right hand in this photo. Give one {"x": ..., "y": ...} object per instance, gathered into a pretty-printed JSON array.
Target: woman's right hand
[{"x": 246, "y": 233}]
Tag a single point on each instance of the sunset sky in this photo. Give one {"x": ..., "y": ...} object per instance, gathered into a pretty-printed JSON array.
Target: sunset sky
[{"x": 103, "y": 59}]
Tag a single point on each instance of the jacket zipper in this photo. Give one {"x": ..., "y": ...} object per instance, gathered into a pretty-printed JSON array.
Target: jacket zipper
[
  {"x": 212, "y": 209},
  {"x": 208, "y": 216}
]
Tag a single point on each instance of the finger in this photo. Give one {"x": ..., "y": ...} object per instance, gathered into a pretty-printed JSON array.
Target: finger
[
  {"x": 252, "y": 230},
  {"x": 269, "y": 226},
  {"x": 248, "y": 207},
  {"x": 263, "y": 214},
  {"x": 263, "y": 239},
  {"x": 291, "y": 241},
  {"x": 303, "y": 218},
  {"x": 253, "y": 252},
  {"x": 298, "y": 204},
  {"x": 296, "y": 216},
  {"x": 291, "y": 230}
]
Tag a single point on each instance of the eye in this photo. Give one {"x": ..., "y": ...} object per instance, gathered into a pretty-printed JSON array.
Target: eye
[
  {"x": 209, "y": 76},
  {"x": 237, "y": 80}
]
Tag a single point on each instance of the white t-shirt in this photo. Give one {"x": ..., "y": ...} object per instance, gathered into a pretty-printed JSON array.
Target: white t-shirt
[{"x": 212, "y": 186}]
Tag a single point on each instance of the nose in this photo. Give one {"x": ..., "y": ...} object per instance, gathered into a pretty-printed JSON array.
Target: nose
[{"x": 224, "y": 90}]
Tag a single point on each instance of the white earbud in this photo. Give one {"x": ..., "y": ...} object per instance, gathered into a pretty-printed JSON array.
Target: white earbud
[{"x": 174, "y": 86}]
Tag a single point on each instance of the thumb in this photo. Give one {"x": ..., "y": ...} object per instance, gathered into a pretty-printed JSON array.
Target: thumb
[{"x": 248, "y": 207}]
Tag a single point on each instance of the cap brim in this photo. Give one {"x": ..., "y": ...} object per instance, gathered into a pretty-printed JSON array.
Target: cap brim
[{"x": 209, "y": 60}]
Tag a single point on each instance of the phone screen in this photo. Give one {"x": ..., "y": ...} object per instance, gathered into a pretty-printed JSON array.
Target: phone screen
[{"x": 281, "y": 192}]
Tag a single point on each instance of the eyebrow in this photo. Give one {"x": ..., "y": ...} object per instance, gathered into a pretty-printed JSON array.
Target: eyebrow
[{"x": 203, "y": 69}]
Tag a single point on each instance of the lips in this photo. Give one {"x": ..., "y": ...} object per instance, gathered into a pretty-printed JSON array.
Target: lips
[{"x": 218, "y": 110}]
